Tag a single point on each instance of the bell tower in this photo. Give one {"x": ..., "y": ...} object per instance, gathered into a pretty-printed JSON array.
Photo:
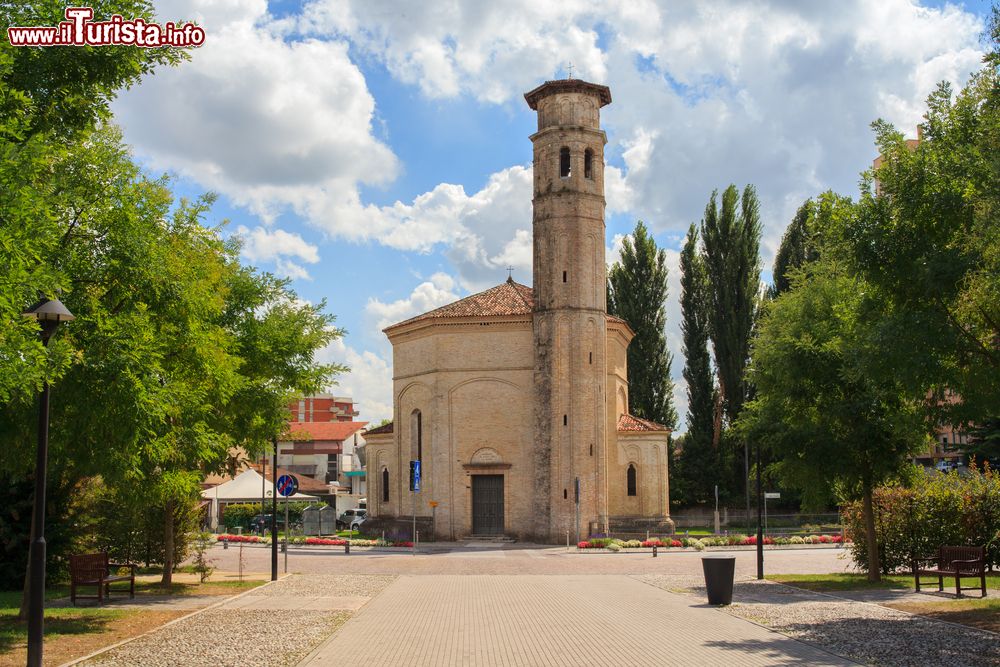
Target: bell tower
[{"x": 569, "y": 322}]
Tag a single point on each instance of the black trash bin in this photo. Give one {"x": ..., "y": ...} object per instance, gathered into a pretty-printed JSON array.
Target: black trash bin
[{"x": 719, "y": 572}]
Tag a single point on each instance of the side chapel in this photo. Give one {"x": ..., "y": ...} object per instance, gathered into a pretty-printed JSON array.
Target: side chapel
[{"x": 515, "y": 399}]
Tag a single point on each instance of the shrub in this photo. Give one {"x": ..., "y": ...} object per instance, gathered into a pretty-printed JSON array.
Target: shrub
[
  {"x": 203, "y": 565},
  {"x": 797, "y": 540},
  {"x": 614, "y": 546},
  {"x": 698, "y": 546},
  {"x": 936, "y": 510},
  {"x": 325, "y": 541},
  {"x": 633, "y": 544},
  {"x": 599, "y": 542}
]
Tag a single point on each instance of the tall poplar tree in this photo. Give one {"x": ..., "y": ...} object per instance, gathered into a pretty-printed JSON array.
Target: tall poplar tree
[
  {"x": 732, "y": 261},
  {"x": 637, "y": 293},
  {"x": 794, "y": 249},
  {"x": 731, "y": 240},
  {"x": 699, "y": 458}
]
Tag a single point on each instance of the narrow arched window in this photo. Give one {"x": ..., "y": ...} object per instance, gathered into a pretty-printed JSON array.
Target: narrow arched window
[
  {"x": 385, "y": 485},
  {"x": 416, "y": 436},
  {"x": 630, "y": 479},
  {"x": 564, "y": 162},
  {"x": 588, "y": 164}
]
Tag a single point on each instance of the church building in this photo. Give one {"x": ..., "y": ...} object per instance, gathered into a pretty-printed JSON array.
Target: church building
[{"x": 515, "y": 399}]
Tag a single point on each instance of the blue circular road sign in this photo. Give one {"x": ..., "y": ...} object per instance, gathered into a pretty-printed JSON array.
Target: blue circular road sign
[{"x": 288, "y": 485}]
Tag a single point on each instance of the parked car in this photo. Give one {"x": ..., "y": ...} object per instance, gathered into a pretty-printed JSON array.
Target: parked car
[
  {"x": 348, "y": 518},
  {"x": 945, "y": 465},
  {"x": 356, "y": 524},
  {"x": 262, "y": 523}
]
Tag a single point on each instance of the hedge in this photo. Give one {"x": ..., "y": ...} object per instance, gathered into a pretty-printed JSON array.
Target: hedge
[{"x": 936, "y": 510}]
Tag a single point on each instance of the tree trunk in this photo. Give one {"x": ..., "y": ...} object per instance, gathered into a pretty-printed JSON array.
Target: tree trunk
[
  {"x": 168, "y": 544},
  {"x": 874, "y": 566}
]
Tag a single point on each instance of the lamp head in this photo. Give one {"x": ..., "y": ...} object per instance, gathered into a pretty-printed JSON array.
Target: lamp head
[{"x": 49, "y": 313}]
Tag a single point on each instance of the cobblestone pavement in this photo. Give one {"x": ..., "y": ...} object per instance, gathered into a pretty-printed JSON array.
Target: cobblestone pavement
[
  {"x": 865, "y": 632},
  {"x": 456, "y": 558},
  {"x": 552, "y": 620},
  {"x": 277, "y": 625}
]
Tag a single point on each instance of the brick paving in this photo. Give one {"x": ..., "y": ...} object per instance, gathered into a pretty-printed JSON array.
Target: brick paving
[{"x": 551, "y": 620}]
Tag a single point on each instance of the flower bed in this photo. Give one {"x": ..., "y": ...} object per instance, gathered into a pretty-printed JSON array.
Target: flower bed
[
  {"x": 239, "y": 538},
  {"x": 313, "y": 541},
  {"x": 699, "y": 544}
]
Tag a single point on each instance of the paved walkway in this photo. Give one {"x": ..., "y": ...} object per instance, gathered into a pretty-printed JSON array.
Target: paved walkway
[
  {"x": 459, "y": 558},
  {"x": 551, "y": 620}
]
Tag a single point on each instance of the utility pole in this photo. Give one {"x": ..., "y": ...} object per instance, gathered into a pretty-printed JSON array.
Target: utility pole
[
  {"x": 760, "y": 526},
  {"x": 274, "y": 511}
]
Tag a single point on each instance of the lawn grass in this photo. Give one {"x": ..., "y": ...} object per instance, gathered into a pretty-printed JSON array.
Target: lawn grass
[
  {"x": 58, "y": 622},
  {"x": 843, "y": 581},
  {"x": 74, "y": 631},
  {"x": 981, "y": 613}
]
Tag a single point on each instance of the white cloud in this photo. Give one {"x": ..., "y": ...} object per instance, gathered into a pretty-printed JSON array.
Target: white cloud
[
  {"x": 493, "y": 50},
  {"x": 428, "y": 295},
  {"x": 270, "y": 122},
  {"x": 369, "y": 381},
  {"x": 260, "y": 244}
]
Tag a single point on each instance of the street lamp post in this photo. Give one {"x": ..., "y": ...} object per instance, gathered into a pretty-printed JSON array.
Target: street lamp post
[{"x": 48, "y": 313}]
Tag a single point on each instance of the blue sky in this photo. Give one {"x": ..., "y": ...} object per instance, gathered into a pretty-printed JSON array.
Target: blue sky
[{"x": 378, "y": 152}]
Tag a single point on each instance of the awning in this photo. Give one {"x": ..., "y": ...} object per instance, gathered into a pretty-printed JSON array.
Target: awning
[{"x": 354, "y": 473}]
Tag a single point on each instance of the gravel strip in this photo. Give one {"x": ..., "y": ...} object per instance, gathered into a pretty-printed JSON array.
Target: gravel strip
[
  {"x": 867, "y": 633},
  {"x": 229, "y": 638},
  {"x": 324, "y": 585}
]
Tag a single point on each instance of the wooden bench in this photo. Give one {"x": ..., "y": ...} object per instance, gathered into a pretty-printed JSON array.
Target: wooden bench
[
  {"x": 958, "y": 562},
  {"x": 95, "y": 570}
]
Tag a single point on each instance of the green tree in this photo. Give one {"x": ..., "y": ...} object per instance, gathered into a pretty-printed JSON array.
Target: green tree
[
  {"x": 928, "y": 236},
  {"x": 637, "y": 288},
  {"x": 834, "y": 425},
  {"x": 795, "y": 248},
  {"x": 984, "y": 441},
  {"x": 699, "y": 458},
  {"x": 731, "y": 241}
]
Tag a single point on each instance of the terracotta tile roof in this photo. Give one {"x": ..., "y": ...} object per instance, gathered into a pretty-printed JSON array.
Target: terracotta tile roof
[
  {"x": 629, "y": 422},
  {"x": 335, "y": 431},
  {"x": 507, "y": 298},
  {"x": 378, "y": 430}
]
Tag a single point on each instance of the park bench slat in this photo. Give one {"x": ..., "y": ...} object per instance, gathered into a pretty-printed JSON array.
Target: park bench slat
[{"x": 95, "y": 570}]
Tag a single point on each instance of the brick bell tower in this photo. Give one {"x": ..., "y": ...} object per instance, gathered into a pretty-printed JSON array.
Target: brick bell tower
[{"x": 569, "y": 322}]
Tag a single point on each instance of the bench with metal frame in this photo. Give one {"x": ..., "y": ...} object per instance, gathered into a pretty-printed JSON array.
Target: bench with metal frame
[
  {"x": 957, "y": 562},
  {"x": 96, "y": 570}
]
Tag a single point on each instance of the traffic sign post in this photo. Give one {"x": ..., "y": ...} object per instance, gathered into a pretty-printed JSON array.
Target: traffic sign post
[
  {"x": 288, "y": 485},
  {"x": 414, "y": 489}
]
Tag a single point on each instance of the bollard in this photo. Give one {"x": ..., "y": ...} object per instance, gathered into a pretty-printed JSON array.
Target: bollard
[
  {"x": 225, "y": 544},
  {"x": 654, "y": 551},
  {"x": 347, "y": 548},
  {"x": 567, "y": 540}
]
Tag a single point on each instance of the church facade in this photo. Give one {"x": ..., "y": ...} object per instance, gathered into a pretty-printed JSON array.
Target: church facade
[{"x": 515, "y": 399}]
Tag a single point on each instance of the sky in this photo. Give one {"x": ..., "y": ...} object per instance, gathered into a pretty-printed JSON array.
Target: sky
[{"x": 376, "y": 152}]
